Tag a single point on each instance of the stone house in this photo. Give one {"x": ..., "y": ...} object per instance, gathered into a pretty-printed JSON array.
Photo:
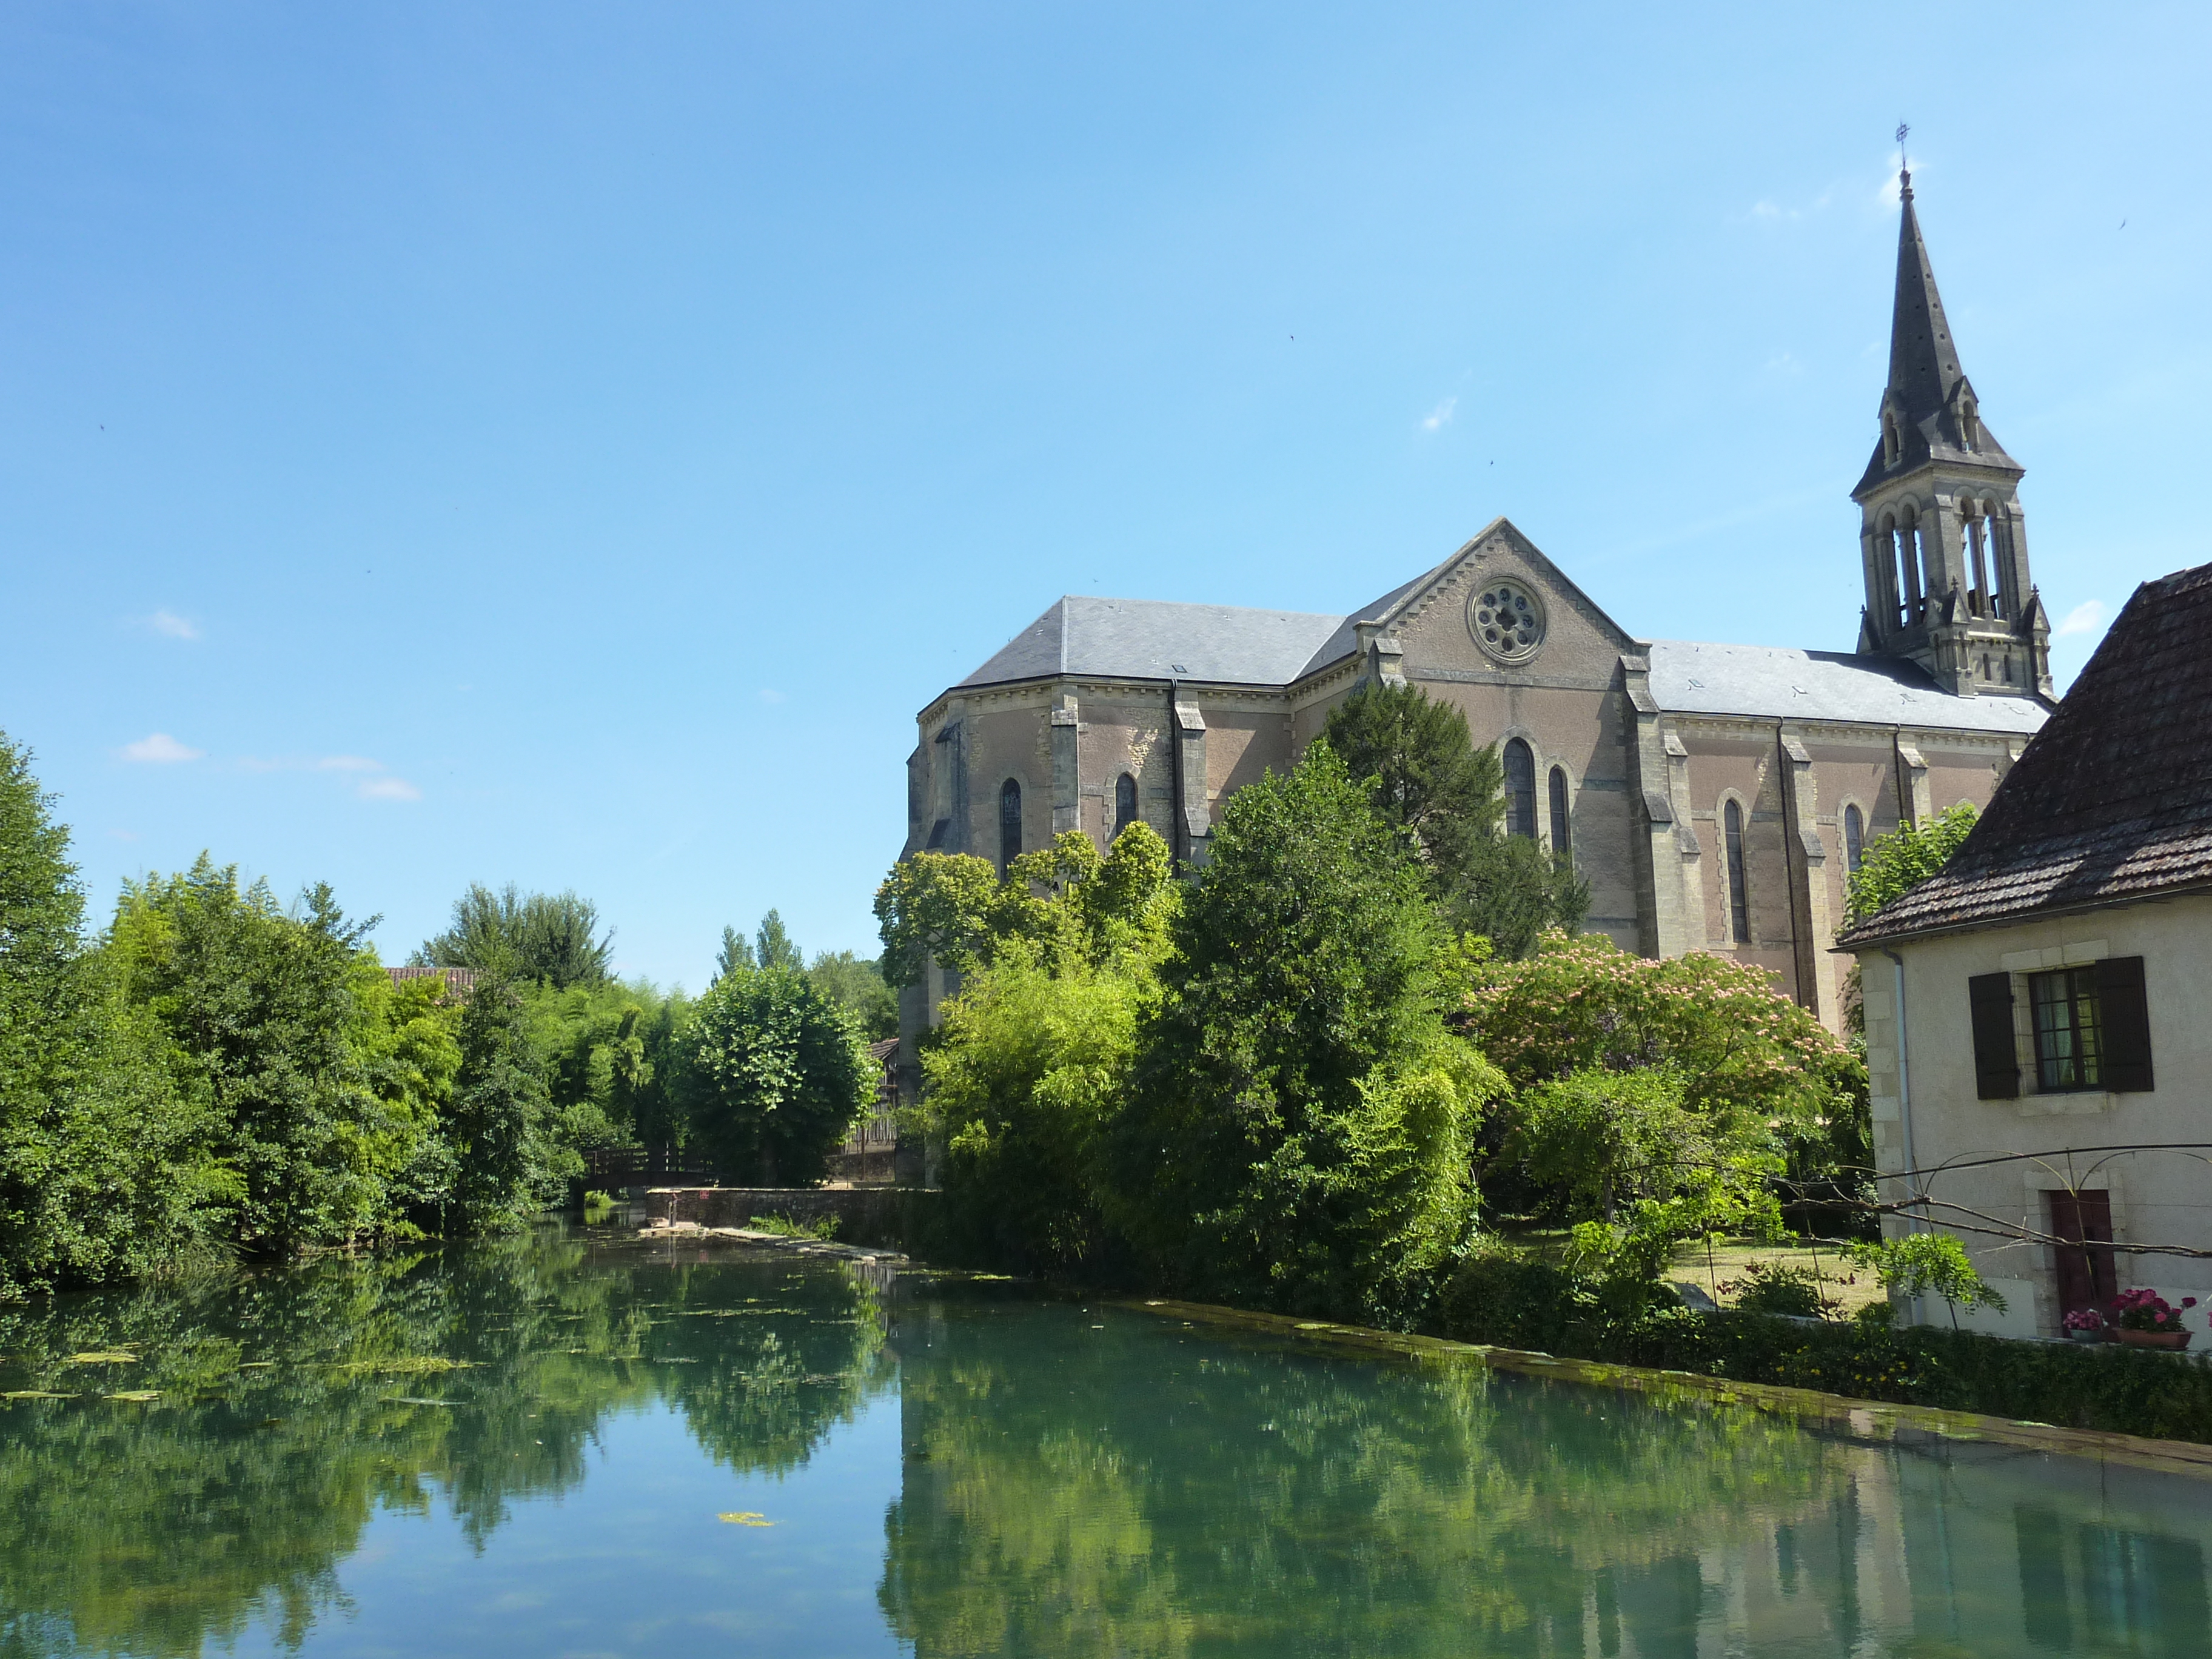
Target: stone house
[
  {"x": 2034, "y": 1012},
  {"x": 1713, "y": 796}
]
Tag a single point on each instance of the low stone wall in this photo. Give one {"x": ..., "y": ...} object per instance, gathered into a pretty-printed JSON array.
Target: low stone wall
[
  {"x": 873, "y": 1168},
  {"x": 893, "y": 1217}
]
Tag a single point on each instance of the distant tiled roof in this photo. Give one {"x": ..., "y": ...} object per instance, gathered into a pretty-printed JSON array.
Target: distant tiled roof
[
  {"x": 1774, "y": 681},
  {"x": 1154, "y": 640},
  {"x": 2111, "y": 801},
  {"x": 884, "y": 1050},
  {"x": 458, "y": 981}
]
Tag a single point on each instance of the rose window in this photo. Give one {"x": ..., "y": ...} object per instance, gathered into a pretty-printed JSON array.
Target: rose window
[{"x": 1507, "y": 620}]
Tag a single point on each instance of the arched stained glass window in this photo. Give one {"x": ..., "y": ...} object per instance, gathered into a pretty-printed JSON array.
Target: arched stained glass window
[
  {"x": 1125, "y": 802},
  {"x": 1739, "y": 900},
  {"x": 1854, "y": 839},
  {"x": 1519, "y": 789},
  {"x": 1562, "y": 835},
  {"x": 1009, "y": 822}
]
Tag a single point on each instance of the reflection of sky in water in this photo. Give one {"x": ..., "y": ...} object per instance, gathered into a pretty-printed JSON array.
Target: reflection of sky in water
[
  {"x": 971, "y": 1473},
  {"x": 635, "y": 1562}
]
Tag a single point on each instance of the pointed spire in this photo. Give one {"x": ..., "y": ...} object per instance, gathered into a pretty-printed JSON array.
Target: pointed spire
[
  {"x": 1929, "y": 409},
  {"x": 1924, "y": 362}
]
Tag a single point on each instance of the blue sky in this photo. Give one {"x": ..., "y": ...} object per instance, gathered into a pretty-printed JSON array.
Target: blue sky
[{"x": 568, "y": 443}]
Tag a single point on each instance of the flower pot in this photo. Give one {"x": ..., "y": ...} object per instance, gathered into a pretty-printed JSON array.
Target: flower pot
[
  {"x": 2154, "y": 1338},
  {"x": 2097, "y": 1335}
]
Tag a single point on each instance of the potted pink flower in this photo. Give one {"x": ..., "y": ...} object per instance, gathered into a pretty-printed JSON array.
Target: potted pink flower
[
  {"x": 2143, "y": 1319},
  {"x": 2085, "y": 1325}
]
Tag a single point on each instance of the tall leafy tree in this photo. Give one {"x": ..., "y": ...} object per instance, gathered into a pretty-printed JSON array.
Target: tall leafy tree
[
  {"x": 776, "y": 1074},
  {"x": 736, "y": 952},
  {"x": 773, "y": 945},
  {"x": 101, "y": 1172},
  {"x": 259, "y": 1008},
  {"x": 552, "y": 937},
  {"x": 1445, "y": 799},
  {"x": 935, "y": 906},
  {"x": 508, "y": 1159},
  {"x": 1034, "y": 1053},
  {"x": 1296, "y": 1129},
  {"x": 856, "y": 984},
  {"x": 1893, "y": 865}
]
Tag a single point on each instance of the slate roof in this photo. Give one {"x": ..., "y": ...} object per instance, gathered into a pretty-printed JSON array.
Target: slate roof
[
  {"x": 1154, "y": 639},
  {"x": 1343, "y": 640},
  {"x": 2111, "y": 801},
  {"x": 1776, "y": 681},
  {"x": 1924, "y": 376}
]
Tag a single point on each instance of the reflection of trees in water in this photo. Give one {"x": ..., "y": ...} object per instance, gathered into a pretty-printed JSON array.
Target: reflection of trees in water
[
  {"x": 1225, "y": 1499},
  {"x": 292, "y": 1408}
]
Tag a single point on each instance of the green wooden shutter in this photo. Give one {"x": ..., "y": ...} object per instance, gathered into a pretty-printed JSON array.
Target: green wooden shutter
[
  {"x": 1996, "y": 1061},
  {"x": 2124, "y": 1017}
]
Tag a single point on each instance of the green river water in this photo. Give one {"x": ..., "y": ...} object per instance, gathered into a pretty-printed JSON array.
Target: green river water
[{"x": 558, "y": 1446}]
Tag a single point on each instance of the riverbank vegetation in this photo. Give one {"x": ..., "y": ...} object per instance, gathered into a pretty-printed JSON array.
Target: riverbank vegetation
[
  {"x": 215, "y": 1072},
  {"x": 1357, "y": 1045}
]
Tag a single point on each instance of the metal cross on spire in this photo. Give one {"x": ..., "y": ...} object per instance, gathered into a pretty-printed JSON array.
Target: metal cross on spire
[{"x": 1904, "y": 162}]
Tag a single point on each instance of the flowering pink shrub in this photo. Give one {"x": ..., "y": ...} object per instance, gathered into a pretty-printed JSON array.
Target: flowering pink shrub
[
  {"x": 1739, "y": 1044},
  {"x": 2143, "y": 1310}
]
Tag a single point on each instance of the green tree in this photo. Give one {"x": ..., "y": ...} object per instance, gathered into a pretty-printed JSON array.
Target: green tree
[
  {"x": 101, "y": 1174},
  {"x": 776, "y": 1074},
  {"x": 259, "y": 1013},
  {"x": 406, "y": 1036},
  {"x": 1034, "y": 1054},
  {"x": 553, "y": 937},
  {"x": 1760, "y": 1076},
  {"x": 736, "y": 952},
  {"x": 1297, "y": 1130},
  {"x": 1893, "y": 865},
  {"x": 935, "y": 906},
  {"x": 509, "y": 1161},
  {"x": 606, "y": 1058},
  {"x": 1445, "y": 799},
  {"x": 856, "y": 984},
  {"x": 774, "y": 946}
]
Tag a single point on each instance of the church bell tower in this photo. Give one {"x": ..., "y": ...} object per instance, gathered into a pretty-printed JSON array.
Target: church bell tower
[{"x": 1943, "y": 535}]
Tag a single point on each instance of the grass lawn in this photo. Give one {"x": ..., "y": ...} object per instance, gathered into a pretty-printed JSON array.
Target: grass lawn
[
  {"x": 1840, "y": 1282},
  {"x": 1852, "y": 1288}
]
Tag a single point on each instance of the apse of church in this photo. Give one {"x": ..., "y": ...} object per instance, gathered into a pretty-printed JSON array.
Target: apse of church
[{"x": 1714, "y": 797}]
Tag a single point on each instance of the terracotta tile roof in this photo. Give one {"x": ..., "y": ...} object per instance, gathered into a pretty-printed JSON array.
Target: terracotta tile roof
[{"x": 2111, "y": 801}]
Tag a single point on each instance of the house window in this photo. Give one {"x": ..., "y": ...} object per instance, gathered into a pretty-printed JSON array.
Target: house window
[
  {"x": 1519, "y": 789},
  {"x": 1125, "y": 802},
  {"x": 1009, "y": 822},
  {"x": 1854, "y": 839},
  {"x": 2068, "y": 1051},
  {"x": 1562, "y": 835},
  {"x": 1739, "y": 900},
  {"x": 2082, "y": 1224}
]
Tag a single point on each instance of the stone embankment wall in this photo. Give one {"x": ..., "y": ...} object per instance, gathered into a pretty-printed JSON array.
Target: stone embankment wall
[{"x": 894, "y": 1217}]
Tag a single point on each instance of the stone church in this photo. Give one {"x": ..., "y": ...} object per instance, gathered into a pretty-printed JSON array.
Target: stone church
[{"x": 1713, "y": 796}]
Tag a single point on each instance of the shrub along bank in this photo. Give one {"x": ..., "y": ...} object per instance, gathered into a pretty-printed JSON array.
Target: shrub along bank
[{"x": 1506, "y": 1300}]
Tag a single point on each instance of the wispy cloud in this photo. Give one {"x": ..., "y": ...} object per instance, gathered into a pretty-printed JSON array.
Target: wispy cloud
[
  {"x": 770, "y": 695},
  {"x": 1769, "y": 211},
  {"x": 2083, "y": 618},
  {"x": 1439, "y": 417},
  {"x": 160, "y": 748},
  {"x": 168, "y": 622},
  {"x": 388, "y": 789},
  {"x": 1784, "y": 363},
  {"x": 348, "y": 764}
]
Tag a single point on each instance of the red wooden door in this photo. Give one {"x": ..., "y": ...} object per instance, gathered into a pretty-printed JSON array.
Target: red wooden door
[{"x": 2086, "y": 1274}]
